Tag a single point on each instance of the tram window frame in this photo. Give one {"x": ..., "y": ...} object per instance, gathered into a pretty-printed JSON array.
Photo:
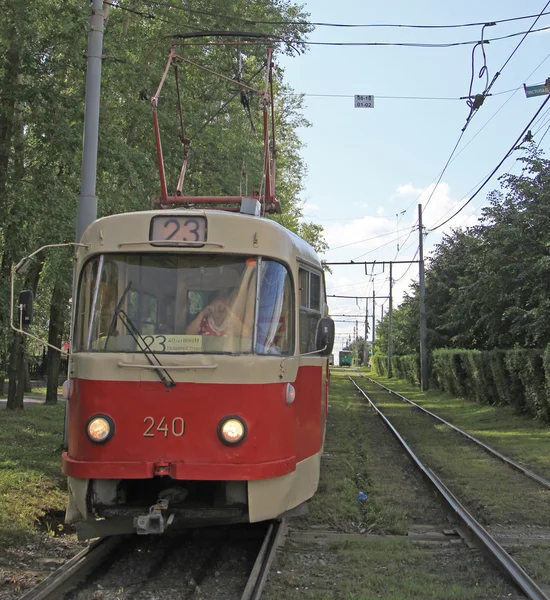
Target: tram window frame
[
  {"x": 143, "y": 306},
  {"x": 309, "y": 303}
]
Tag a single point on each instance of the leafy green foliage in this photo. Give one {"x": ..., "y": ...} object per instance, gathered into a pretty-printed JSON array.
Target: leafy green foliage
[
  {"x": 486, "y": 286},
  {"x": 42, "y": 91}
]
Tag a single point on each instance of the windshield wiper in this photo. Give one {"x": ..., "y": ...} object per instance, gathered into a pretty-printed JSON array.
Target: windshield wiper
[
  {"x": 144, "y": 348},
  {"x": 115, "y": 314}
]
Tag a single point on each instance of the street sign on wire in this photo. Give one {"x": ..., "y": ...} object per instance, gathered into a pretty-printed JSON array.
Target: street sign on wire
[
  {"x": 364, "y": 101},
  {"x": 536, "y": 90}
]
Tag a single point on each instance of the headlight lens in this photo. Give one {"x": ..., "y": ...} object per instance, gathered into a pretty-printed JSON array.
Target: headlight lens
[
  {"x": 232, "y": 430},
  {"x": 100, "y": 429},
  {"x": 290, "y": 394},
  {"x": 66, "y": 389}
]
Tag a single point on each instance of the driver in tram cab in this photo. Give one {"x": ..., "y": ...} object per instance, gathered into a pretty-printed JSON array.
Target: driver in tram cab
[{"x": 218, "y": 318}]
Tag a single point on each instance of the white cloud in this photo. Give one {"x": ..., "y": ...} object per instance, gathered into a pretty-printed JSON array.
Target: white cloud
[
  {"x": 407, "y": 191},
  {"x": 360, "y": 233},
  {"x": 311, "y": 209}
]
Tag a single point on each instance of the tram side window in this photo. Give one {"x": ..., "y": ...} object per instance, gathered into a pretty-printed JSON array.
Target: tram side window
[{"x": 310, "y": 309}]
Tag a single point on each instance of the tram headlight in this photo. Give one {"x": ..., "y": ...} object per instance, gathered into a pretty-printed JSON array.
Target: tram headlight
[
  {"x": 100, "y": 428},
  {"x": 66, "y": 389},
  {"x": 232, "y": 430},
  {"x": 290, "y": 394}
]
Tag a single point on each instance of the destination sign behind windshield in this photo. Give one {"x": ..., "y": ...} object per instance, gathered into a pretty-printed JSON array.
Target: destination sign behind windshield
[{"x": 177, "y": 229}]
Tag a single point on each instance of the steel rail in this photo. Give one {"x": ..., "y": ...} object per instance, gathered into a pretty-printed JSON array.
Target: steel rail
[
  {"x": 258, "y": 576},
  {"x": 495, "y": 550},
  {"x": 511, "y": 463},
  {"x": 75, "y": 568}
]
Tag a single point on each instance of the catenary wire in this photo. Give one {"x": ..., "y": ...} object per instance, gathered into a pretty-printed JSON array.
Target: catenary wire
[
  {"x": 459, "y": 99},
  {"x": 417, "y": 44},
  {"x": 475, "y": 107},
  {"x": 482, "y": 127},
  {"x": 512, "y": 148},
  {"x": 368, "y": 239},
  {"x": 327, "y": 24},
  {"x": 543, "y": 136}
]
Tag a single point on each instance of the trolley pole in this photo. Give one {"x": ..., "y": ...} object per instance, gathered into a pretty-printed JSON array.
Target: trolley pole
[
  {"x": 424, "y": 374},
  {"x": 390, "y": 308},
  {"x": 87, "y": 201}
]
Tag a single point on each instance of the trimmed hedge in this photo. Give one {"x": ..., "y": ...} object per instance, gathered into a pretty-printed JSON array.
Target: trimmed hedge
[
  {"x": 519, "y": 378},
  {"x": 380, "y": 364}
]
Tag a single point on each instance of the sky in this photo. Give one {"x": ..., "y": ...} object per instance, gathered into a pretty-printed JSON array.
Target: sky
[{"x": 369, "y": 168}]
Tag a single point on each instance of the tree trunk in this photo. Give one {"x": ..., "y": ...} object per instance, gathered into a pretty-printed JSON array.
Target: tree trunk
[
  {"x": 15, "y": 401},
  {"x": 55, "y": 334},
  {"x": 26, "y": 375},
  {"x": 17, "y": 363}
]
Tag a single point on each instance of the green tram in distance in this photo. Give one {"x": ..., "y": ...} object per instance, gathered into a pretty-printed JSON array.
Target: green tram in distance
[{"x": 345, "y": 358}]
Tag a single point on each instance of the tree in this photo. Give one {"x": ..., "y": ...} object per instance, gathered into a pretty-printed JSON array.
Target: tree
[
  {"x": 486, "y": 286},
  {"x": 42, "y": 83}
]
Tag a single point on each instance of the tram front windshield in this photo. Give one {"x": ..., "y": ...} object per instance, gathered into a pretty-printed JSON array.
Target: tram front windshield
[{"x": 177, "y": 303}]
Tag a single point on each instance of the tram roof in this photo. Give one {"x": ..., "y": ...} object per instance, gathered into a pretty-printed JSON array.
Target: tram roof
[{"x": 239, "y": 234}]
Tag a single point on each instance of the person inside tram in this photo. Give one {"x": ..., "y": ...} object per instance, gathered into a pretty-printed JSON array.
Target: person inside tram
[
  {"x": 231, "y": 312},
  {"x": 219, "y": 318}
]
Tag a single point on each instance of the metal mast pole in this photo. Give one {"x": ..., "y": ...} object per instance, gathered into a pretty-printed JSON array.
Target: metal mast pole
[
  {"x": 390, "y": 373},
  {"x": 87, "y": 201},
  {"x": 373, "y": 316},
  {"x": 86, "y": 212},
  {"x": 365, "y": 346},
  {"x": 424, "y": 374}
]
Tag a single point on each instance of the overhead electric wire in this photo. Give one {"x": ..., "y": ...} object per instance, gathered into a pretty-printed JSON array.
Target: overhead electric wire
[
  {"x": 476, "y": 105},
  {"x": 151, "y": 16},
  {"x": 327, "y": 24},
  {"x": 407, "y": 269},
  {"x": 378, "y": 97},
  {"x": 368, "y": 239},
  {"x": 484, "y": 125},
  {"x": 375, "y": 249},
  {"x": 519, "y": 44},
  {"x": 419, "y": 44},
  {"x": 543, "y": 136},
  {"x": 316, "y": 43},
  {"x": 512, "y": 148}
]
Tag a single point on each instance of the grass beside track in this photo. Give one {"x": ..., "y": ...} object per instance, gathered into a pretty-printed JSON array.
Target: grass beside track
[
  {"x": 384, "y": 569},
  {"x": 358, "y": 458},
  {"x": 31, "y": 482},
  {"x": 361, "y": 455},
  {"x": 495, "y": 493},
  {"x": 518, "y": 437}
]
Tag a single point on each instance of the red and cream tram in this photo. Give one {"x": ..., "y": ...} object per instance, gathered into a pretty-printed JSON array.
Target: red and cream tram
[{"x": 199, "y": 372}]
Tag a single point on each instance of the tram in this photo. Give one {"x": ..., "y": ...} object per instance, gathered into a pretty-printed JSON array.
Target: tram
[
  {"x": 173, "y": 423},
  {"x": 345, "y": 358},
  {"x": 198, "y": 378}
]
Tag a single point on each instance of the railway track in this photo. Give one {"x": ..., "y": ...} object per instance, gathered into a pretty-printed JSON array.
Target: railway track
[
  {"x": 103, "y": 568},
  {"x": 496, "y": 553},
  {"x": 505, "y": 459}
]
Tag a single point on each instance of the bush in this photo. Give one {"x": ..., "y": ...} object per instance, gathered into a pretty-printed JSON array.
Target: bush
[
  {"x": 407, "y": 367},
  {"x": 380, "y": 364},
  {"x": 448, "y": 371},
  {"x": 527, "y": 382},
  {"x": 519, "y": 378}
]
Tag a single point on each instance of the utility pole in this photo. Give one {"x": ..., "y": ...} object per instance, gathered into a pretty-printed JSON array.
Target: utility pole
[
  {"x": 86, "y": 211},
  {"x": 390, "y": 308},
  {"x": 373, "y": 316},
  {"x": 356, "y": 344},
  {"x": 424, "y": 374},
  {"x": 87, "y": 201},
  {"x": 365, "y": 346}
]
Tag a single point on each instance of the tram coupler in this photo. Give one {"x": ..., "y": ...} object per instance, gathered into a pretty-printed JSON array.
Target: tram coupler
[{"x": 155, "y": 521}]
